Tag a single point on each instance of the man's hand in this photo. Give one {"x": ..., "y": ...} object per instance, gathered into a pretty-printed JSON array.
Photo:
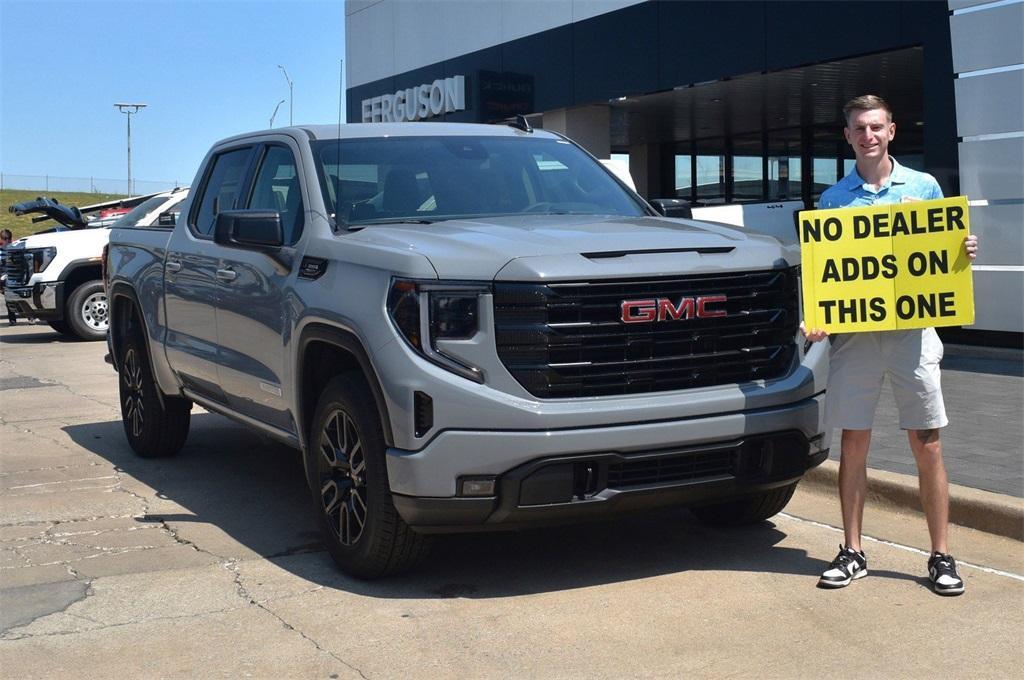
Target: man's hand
[
  {"x": 815, "y": 335},
  {"x": 971, "y": 246}
]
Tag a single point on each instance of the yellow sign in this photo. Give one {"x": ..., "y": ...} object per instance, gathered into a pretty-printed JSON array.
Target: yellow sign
[{"x": 887, "y": 267}]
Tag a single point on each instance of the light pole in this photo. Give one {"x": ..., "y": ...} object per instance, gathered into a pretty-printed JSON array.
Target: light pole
[
  {"x": 129, "y": 109},
  {"x": 274, "y": 114},
  {"x": 291, "y": 99}
]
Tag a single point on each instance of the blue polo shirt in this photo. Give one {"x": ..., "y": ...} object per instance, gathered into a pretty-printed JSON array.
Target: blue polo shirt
[{"x": 852, "y": 192}]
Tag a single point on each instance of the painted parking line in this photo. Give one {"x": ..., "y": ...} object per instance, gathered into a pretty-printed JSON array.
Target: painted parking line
[{"x": 900, "y": 546}]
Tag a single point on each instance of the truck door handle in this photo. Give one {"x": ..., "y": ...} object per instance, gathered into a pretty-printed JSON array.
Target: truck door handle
[
  {"x": 173, "y": 266},
  {"x": 226, "y": 275}
]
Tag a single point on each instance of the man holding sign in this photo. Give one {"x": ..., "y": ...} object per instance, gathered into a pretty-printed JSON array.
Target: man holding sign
[{"x": 861, "y": 355}]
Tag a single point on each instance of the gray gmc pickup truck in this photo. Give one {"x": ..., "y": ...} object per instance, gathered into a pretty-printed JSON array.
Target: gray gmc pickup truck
[{"x": 466, "y": 327}]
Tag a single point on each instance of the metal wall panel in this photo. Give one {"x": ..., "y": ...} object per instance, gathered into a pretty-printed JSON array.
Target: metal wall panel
[
  {"x": 420, "y": 32},
  {"x": 990, "y": 104},
  {"x": 519, "y": 20},
  {"x": 1008, "y": 289},
  {"x": 1000, "y": 230},
  {"x": 962, "y": 4},
  {"x": 370, "y": 44},
  {"x": 991, "y": 169},
  {"x": 988, "y": 38}
]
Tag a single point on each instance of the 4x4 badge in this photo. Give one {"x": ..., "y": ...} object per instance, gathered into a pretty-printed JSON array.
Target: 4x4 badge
[{"x": 664, "y": 309}]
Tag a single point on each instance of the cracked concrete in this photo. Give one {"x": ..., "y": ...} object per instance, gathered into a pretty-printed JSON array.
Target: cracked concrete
[{"x": 209, "y": 564}]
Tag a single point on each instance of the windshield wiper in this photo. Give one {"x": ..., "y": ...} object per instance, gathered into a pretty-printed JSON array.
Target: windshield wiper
[{"x": 395, "y": 220}]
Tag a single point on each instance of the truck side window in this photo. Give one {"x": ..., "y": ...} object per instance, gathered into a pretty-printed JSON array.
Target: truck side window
[
  {"x": 223, "y": 184},
  {"x": 277, "y": 188}
]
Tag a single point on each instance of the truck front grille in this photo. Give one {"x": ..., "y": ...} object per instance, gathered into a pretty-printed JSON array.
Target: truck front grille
[
  {"x": 565, "y": 340},
  {"x": 17, "y": 266}
]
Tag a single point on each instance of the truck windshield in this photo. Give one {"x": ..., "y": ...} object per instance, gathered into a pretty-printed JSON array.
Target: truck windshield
[
  {"x": 133, "y": 217},
  {"x": 426, "y": 179}
]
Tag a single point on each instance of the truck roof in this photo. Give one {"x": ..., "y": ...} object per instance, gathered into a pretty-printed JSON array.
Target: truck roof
[{"x": 363, "y": 130}]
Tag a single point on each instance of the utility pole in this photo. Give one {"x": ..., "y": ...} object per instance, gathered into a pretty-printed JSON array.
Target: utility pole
[
  {"x": 274, "y": 114},
  {"x": 129, "y": 109},
  {"x": 291, "y": 98}
]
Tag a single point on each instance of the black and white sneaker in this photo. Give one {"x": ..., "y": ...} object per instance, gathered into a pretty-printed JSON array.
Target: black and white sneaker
[
  {"x": 942, "y": 572},
  {"x": 848, "y": 565}
]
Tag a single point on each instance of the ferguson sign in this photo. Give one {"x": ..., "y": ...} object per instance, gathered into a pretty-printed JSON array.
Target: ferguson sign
[{"x": 417, "y": 103}]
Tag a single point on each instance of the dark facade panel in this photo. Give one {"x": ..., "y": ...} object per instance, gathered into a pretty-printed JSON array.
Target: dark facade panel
[
  {"x": 547, "y": 58},
  {"x": 471, "y": 66},
  {"x": 801, "y": 33},
  {"x": 615, "y": 54},
  {"x": 927, "y": 23},
  {"x": 702, "y": 41},
  {"x": 356, "y": 95}
]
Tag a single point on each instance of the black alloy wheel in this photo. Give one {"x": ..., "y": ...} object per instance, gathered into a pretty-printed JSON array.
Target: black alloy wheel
[
  {"x": 348, "y": 480},
  {"x": 342, "y": 475},
  {"x": 132, "y": 408},
  {"x": 155, "y": 424}
]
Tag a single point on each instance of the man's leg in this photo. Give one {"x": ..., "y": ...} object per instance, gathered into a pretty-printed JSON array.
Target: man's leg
[
  {"x": 853, "y": 483},
  {"x": 933, "y": 484}
]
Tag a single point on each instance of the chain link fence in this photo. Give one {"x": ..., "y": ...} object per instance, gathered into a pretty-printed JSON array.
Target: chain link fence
[{"x": 93, "y": 185}]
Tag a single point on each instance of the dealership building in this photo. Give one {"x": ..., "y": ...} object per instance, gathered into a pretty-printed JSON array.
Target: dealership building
[{"x": 728, "y": 102}]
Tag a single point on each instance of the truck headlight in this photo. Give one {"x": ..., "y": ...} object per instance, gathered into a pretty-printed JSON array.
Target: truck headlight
[
  {"x": 40, "y": 258},
  {"x": 426, "y": 313}
]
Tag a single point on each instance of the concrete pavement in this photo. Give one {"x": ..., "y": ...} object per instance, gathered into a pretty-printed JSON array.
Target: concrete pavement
[{"x": 208, "y": 564}]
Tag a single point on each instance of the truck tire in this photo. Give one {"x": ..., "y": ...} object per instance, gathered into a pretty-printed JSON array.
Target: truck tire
[
  {"x": 60, "y": 326},
  {"x": 348, "y": 480},
  {"x": 155, "y": 428},
  {"x": 88, "y": 312},
  {"x": 746, "y": 510}
]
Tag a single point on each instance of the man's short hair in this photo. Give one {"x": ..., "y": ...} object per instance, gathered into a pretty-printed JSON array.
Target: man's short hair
[
  {"x": 6, "y": 235},
  {"x": 866, "y": 102}
]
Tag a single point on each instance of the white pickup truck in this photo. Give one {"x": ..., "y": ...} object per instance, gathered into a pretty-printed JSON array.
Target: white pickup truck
[{"x": 55, "y": 275}]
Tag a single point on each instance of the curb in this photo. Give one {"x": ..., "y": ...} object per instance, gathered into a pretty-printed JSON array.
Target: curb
[{"x": 985, "y": 511}]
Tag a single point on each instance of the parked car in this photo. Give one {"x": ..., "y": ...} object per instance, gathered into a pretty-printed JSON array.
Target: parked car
[
  {"x": 56, "y": 276},
  {"x": 466, "y": 327}
]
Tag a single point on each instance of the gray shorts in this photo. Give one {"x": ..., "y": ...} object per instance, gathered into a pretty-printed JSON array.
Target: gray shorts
[{"x": 859, "y": 362}]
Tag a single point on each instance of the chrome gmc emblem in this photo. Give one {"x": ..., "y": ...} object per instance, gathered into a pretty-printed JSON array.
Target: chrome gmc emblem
[{"x": 664, "y": 309}]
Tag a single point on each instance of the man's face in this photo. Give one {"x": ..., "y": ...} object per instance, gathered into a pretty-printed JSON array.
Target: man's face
[{"x": 869, "y": 133}]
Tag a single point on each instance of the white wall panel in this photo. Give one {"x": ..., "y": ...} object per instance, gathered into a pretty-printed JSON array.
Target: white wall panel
[
  {"x": 987, "y": 38},
  {"x": 369, "y": 44},
  {"x": 1000, "y": 230},
  {"x": 992, "y": 169},
  {"x": 990, "y": 104},
  {"x": 962, "y": 4},
  {"x": 418, "y": 35},
  {"x": 1008, "y": 288},
  {"x": 353, "y": 6},
  {"x": 520, "y": 19},
  {"x": 585, "y": 9},
  {"x": 385, "y": 37},
  {"x": 469, "y": 26}
]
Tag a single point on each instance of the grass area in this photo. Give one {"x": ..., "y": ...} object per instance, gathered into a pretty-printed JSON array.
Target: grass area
[{"x": 23, "y": 226}]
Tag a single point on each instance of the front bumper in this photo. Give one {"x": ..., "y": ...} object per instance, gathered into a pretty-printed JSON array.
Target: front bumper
[
  {"x": 43, "y": 301},
  {"x": 565, "y": 475}
]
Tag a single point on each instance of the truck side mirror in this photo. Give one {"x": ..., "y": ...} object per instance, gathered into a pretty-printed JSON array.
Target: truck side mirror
[{"x": 259, "y": 229}]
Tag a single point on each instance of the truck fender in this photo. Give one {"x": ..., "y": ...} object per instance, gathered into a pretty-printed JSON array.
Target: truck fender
[
  {"x": 348, "y": 343},
  {"x": 117, "y": 291}
]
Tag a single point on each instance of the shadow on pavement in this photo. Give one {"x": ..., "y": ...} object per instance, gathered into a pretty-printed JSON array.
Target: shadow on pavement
[
  {"x": 254, "y": 490},
  {"x": 988, "y": 365},
  {"x": 42, "y": 337}
]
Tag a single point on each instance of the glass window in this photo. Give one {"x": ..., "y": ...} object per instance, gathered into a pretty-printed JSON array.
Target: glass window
[
  {"x": 277, "y": 188},
  {"x": 684, "y": 176},
  {"x": 711, "y": 178},
  {"x": 223, "y": 184},
  {"x": 402, "y": 178},
  {"x": 784, "y": 173}
]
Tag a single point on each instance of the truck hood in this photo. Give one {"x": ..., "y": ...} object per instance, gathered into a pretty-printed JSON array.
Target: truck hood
[
  {"x": 88, "y": 242},
  {"x": 552, "y": 247}
]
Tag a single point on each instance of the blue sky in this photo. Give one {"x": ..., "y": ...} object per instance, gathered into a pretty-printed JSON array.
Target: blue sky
[{"x": 207, "y": 70}]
